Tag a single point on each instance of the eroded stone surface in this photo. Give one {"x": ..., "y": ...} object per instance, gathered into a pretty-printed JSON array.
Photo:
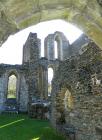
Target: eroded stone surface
[
  {"x": 87, "y": 15},
  {"x": 81, "y": 77},
  {"x": 76, "y": 97}
]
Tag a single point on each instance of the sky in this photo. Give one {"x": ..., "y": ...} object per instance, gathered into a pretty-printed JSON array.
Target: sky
[{"x": 12, "y": 50}]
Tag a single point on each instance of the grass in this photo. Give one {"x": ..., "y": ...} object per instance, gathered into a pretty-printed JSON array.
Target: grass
[{"x": 20, "y": 127}]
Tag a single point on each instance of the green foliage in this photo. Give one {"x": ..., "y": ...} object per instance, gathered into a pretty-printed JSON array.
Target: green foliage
[
  {"x": 12, "y": 83},
  {"x": 20, "y": 127},
  {"x": 12, "y": 87},
  {"x": 11, "y": 94},
  {"x": 50, "y": 134}
]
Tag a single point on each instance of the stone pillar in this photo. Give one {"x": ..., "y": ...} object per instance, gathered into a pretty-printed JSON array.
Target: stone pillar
[
  {"x": 33, "y": 43},
  {"x": 63, "y": 45},
  {"x": 49, "y": 47},
  {"x": 23, "y": 94},
  {"x": 40, "y": 81},
  {"x": 45, "y": 84},
  {"x": 2, "y": 92},
  {"x": 32, "y": 48},
  {"x": 65, "y": 49}
]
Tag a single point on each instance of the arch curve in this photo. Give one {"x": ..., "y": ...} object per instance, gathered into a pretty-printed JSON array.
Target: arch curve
[
  {"x": 49, "y": 45},
  {"x": 86, "y": 15},
  {"x": 9, "y": 73},
  {"x": 13, "y": 72}
]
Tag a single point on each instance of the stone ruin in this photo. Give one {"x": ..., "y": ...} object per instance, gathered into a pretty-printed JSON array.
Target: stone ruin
[
  {"x": 77, "y": 95},
  {"x": 75, "y": 106},
  {"x": 32, "y": 79}
]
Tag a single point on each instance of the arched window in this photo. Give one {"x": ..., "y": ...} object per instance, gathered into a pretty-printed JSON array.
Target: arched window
[
  {"x": 12, "y": 87},
  {"x": 68, "y": 100},
  {"x": 56, "y": 49},
  {"x": 50, "y": 77}
]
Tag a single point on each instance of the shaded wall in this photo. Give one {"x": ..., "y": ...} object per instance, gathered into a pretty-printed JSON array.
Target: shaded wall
[
  {"x": 84, "y": 118},
  {"x": 21, "y": 86}
]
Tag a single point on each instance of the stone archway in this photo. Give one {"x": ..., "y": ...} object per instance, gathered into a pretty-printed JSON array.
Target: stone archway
[
  {"x": 58, "y": 47},
  {"x": 63, "y": 104},
  {"x": 12, "y": 86},
  {"x": 58, "y": 44},
  {"x": 62, "y": 45},
  {"x": 84, "y": 14},
  {"x": 10, "y": 73}
]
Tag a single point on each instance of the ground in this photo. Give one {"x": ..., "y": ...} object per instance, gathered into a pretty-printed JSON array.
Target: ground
[{"x": 20, "y": 127}]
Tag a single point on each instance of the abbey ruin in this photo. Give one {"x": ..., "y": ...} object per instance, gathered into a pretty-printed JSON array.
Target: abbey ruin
[
  {"x": 76, "y": 99},
  {"x": 76, "y": 96}
]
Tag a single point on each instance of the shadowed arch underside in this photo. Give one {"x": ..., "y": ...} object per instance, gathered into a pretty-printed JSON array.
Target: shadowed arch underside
[{"x": 16, "y": 15}]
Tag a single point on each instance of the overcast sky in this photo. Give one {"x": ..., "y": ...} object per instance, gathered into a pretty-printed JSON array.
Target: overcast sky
[{"x": 11, "y": 50}]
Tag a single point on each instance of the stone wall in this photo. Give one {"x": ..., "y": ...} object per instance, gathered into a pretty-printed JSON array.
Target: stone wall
[
  {"x": 29, "y": 52},
  {"x": 76, "y": 100},
  {"x": 79, "y": 114},
  {"x": 32, "y": 75},
  {"x": 27, "y": 75},
  {"x": 78, "y": 45},
  {"x": 86, "y": 15},
  {"x": 62, "y": 46},
  {"x": 33, "y": 66},
  {"x": 2, "y": 92},
  {"x": 23, "y": 102},
  {"x": 21, "y": 86}
]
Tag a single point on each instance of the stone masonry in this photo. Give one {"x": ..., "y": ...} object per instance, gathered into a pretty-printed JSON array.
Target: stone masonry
[
  {"x": 32, "y": 75},
  {"x": 77, "y": 96},
  {"x": 76, "y": 100}
]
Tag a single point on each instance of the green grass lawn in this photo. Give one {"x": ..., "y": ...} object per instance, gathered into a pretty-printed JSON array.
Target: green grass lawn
[{"x": 20, "y": 127}]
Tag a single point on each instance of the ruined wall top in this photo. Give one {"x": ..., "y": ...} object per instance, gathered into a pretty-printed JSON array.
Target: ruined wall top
[
  {"x": 79, "y": 44},
  {"x": 31, "y": 49},
  {"x": 56, "y": 46},
  {"x": 59, "y": 41}
]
